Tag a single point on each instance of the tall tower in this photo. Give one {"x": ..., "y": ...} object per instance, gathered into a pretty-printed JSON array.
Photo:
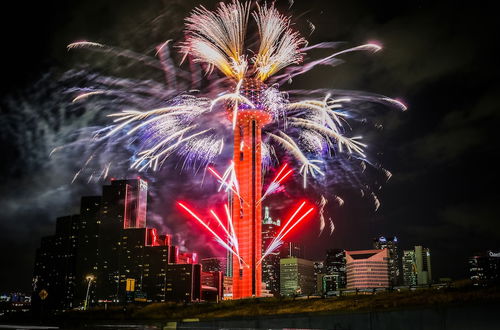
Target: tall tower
[{"x": 246, "y": 211}]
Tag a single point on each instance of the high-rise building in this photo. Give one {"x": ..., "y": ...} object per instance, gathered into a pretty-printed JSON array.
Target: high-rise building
[
  {"x": 271, "y": 263},
  {"x": 297, "y": 277},
  {"x": 367, "y": 269},
  {"x": 246, "y": 210},
  {"x": 107, "y": 251},
  {"x": 417, "y": 266},
  {"x": 409, "y": 268},
  {"x": 335, "y": 266},
  {"x": 87, "y": 245},
  {"x": 391, "y": 244},
  {"x": 55, "y": 265},
  {"x": 484, "y": 268},
  {"x": 123, "y": 206}
]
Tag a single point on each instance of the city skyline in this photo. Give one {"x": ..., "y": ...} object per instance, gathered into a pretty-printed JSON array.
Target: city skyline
[{"x": 432, "y": 207}]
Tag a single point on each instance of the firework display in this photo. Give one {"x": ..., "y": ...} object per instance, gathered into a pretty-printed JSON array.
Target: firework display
[{"x": 248, "y": 104}]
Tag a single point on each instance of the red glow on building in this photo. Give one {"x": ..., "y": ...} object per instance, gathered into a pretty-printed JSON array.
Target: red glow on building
[
  {"x": 187, "y": 258},
  {"x": 152, "y": 237},
  {"x": 246, "y": 211}
]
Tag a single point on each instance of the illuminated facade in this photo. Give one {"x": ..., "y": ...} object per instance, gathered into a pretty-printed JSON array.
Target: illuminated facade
[
  {"x": 417, "y": 266},
  {"x": 409, "y": 268},
  {"x": 246, "y": 211},
  {"x": 367, "y": 269},
  {"x": 297, "y": 277}
]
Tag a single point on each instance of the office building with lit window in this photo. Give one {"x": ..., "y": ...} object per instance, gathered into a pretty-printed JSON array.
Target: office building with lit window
[
  {"x": 391, "y": 244},
  {"x": 409, "y": 268},
  {"x": 297, "y": 277},
  {"x": 271, "y": 263},
  {"x": 335, "y": 266},
  {"x": 183, "y": 282},
  {"x": 367, "y": 269},
  {"x": 484, "y": 268},
  {"x": 417, "y": 268}
]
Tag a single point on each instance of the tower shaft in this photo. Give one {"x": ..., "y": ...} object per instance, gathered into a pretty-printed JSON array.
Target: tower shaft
[{"x": 246, "y": 212}]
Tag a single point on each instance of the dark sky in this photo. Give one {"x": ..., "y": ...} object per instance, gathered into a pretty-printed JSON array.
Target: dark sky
[{"x": 438, "y": 56}]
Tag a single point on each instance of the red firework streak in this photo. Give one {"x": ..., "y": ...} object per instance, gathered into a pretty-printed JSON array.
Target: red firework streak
[
  {"x": 277, "y": 181},
  {"x": 211, "y": 231},
  {"x": 244, "y": 215},
  {"x": 291, "y": 223}
]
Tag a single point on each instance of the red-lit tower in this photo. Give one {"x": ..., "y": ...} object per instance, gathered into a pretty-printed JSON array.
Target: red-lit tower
[{"x": 246, "y": 212}]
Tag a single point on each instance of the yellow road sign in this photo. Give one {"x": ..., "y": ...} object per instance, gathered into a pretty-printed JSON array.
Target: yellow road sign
[{"x": 43, "y": 294}]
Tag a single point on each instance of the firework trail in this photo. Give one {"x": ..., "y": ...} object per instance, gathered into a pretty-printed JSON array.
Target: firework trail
[
  {"x": 184, "y": 120},
  {"x": 276, "y": 182},
  {"x": 218, "y": 239},
  {"x": 286, "y": 228},
  {"x": 322, "y": 205}
]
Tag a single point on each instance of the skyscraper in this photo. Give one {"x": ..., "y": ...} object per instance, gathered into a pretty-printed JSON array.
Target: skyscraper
[
  {"x": 55, "y": 265},
  {"x": 417, "y": 266},
  {"x": 270, "y": 264},
  {"x": 123, "y": 206},
  {"x": 297, "y": 277},
  {"x": 391, "y": 244},
  {"x": 367, "y": 269},
  {"x": 108, "y": 250},
  {"x": 335, "y": 265},
  {"x": 409, "y": 268}
]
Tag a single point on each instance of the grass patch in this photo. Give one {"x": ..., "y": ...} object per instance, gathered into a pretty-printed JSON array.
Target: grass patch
[{"x": 273, "y": 306}]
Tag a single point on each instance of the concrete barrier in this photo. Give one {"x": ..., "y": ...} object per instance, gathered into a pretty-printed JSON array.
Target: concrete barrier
[{"x": 474, "y": 317}]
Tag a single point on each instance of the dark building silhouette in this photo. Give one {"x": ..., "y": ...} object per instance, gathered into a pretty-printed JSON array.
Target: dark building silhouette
[
  {"x": 55, "y": 265},
  {"x": 484, "y": 268},
  {"x": 391, "y": 244},
  {"x": 107, "y": 254},
  {"x": 271, "y": 263},
  {"x": 183, "y": 282},
  {"x": 335, "y": 267}
]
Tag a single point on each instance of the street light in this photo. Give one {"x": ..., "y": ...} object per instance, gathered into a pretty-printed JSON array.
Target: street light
[{"x": 90, "y": 278}]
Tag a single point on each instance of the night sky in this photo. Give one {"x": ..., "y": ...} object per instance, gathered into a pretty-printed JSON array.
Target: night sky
[{"x": 439, "y": 57}]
